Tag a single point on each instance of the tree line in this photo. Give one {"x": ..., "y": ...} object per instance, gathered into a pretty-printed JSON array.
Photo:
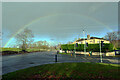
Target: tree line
[{"x": 25, "y": 40}]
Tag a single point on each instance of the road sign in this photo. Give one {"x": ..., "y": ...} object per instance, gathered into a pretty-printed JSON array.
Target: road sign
[
  {"x": 117, "y": 52},
  {"x": 86, "y": 44},
  {"x": 102, "y": 44}
]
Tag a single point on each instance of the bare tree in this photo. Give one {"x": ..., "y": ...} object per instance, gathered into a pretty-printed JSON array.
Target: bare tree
[
  {"x": 75, "y": 39},
  {"x": 24, "y": 38},
  {"x": 113, "y": 37},
  {"x": 42, "y": 44},
  {"x": 69, "y": 42}
]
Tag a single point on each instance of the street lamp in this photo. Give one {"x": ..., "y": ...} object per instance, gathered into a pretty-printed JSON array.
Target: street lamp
[
  {"x": 84, "y": 43},
  {"x": 101, "y": 44}
]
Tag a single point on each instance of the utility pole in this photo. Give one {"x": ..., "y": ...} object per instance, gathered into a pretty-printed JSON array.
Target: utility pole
[
  {"x": 84, "y": 44},
  {"x": 100, "y": 53}
]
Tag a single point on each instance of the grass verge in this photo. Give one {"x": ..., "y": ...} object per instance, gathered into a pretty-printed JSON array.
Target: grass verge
[
  {"x": 65, "y": 53},
  {"x": 67, "y": 70},
  {"x": 11, "y": 51}
]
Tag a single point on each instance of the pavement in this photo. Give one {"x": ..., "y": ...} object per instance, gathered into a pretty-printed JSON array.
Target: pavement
[{"x": 12, "y": 63}]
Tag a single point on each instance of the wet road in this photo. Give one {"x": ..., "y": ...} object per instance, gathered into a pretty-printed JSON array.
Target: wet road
[{"x": 15, "y": 62}]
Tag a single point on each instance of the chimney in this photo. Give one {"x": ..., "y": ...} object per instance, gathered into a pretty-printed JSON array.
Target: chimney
[
  {"x": 88, "y": 37},
  {"x": 79, "y": 39}
]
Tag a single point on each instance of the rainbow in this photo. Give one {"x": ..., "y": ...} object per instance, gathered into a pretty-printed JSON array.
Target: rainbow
[{"x": 49, "y": 16}]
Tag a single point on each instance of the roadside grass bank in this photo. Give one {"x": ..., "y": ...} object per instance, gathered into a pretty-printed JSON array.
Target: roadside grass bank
[
  {"x": 65, "y": 53},
  {"x": 82, "y": 70},
  {"x": 10, "y": 51}
]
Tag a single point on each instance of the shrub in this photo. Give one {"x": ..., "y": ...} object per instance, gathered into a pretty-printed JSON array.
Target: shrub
[
  {"x": 64, "y": 47},
  {"x": 91, "y": 47},
  {"x": 70, "y": 47}
]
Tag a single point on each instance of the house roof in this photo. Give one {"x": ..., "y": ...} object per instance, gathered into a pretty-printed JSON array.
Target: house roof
[
  {"x": 80, "y": 40},
  {"x": 90, "y": 38}
]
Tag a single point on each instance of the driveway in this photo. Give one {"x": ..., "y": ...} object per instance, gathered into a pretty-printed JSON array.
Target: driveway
[{"x": 15, "y": 62}]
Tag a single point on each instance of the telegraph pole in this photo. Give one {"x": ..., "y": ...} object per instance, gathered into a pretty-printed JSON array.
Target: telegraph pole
[{"x": 84, "y": 44}]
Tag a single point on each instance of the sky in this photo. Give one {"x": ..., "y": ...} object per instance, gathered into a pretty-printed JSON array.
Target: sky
[{"x": 58, "y": 21}]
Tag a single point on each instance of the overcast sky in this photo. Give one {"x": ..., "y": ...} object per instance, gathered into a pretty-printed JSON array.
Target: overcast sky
[{"x": 61, "y": 21}]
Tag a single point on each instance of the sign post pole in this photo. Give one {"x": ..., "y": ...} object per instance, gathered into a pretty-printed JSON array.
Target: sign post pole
[{"x": 100, "y": 53}]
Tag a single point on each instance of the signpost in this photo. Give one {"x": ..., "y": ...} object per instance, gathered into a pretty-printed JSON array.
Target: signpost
[
  {"x": 86, "y": 44},
  {"x": 117, "y": 52}
]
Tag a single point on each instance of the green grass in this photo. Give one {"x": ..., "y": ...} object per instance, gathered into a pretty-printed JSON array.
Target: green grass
[
  {"x": 19, "y": 49},
  {"x": 67, "y": 70},
  {"x": 11, "y": 49},
  {"x": 65, "y": 53}
]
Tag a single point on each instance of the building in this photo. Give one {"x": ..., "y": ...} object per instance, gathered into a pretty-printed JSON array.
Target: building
[{"x": 91, "y": 40}]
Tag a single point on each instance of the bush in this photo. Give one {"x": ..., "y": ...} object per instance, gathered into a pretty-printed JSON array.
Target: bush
[
  {"x": 118, "y": 48},
  {"x": 64, "y": 47},
  {"x": 91, "y": 47},
  {"x": 70, "y": 47}
]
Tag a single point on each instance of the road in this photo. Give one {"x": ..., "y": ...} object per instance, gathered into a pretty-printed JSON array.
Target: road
[{"x": 16, "y": 62}]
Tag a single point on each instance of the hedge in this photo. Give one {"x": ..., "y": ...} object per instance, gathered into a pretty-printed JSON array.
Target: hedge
[{"x": 91, "y": 47}]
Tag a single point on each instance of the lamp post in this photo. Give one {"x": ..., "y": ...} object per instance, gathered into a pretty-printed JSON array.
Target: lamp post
[
  {"x": 84, "y": 44},
  {"x": 100, "y": 53}
]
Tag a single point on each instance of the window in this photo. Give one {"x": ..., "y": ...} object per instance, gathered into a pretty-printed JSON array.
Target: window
[{"x": 79, "y": 42}]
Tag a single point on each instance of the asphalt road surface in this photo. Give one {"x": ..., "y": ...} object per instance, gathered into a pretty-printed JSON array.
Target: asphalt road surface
[{"x": 12, "y": 63}]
